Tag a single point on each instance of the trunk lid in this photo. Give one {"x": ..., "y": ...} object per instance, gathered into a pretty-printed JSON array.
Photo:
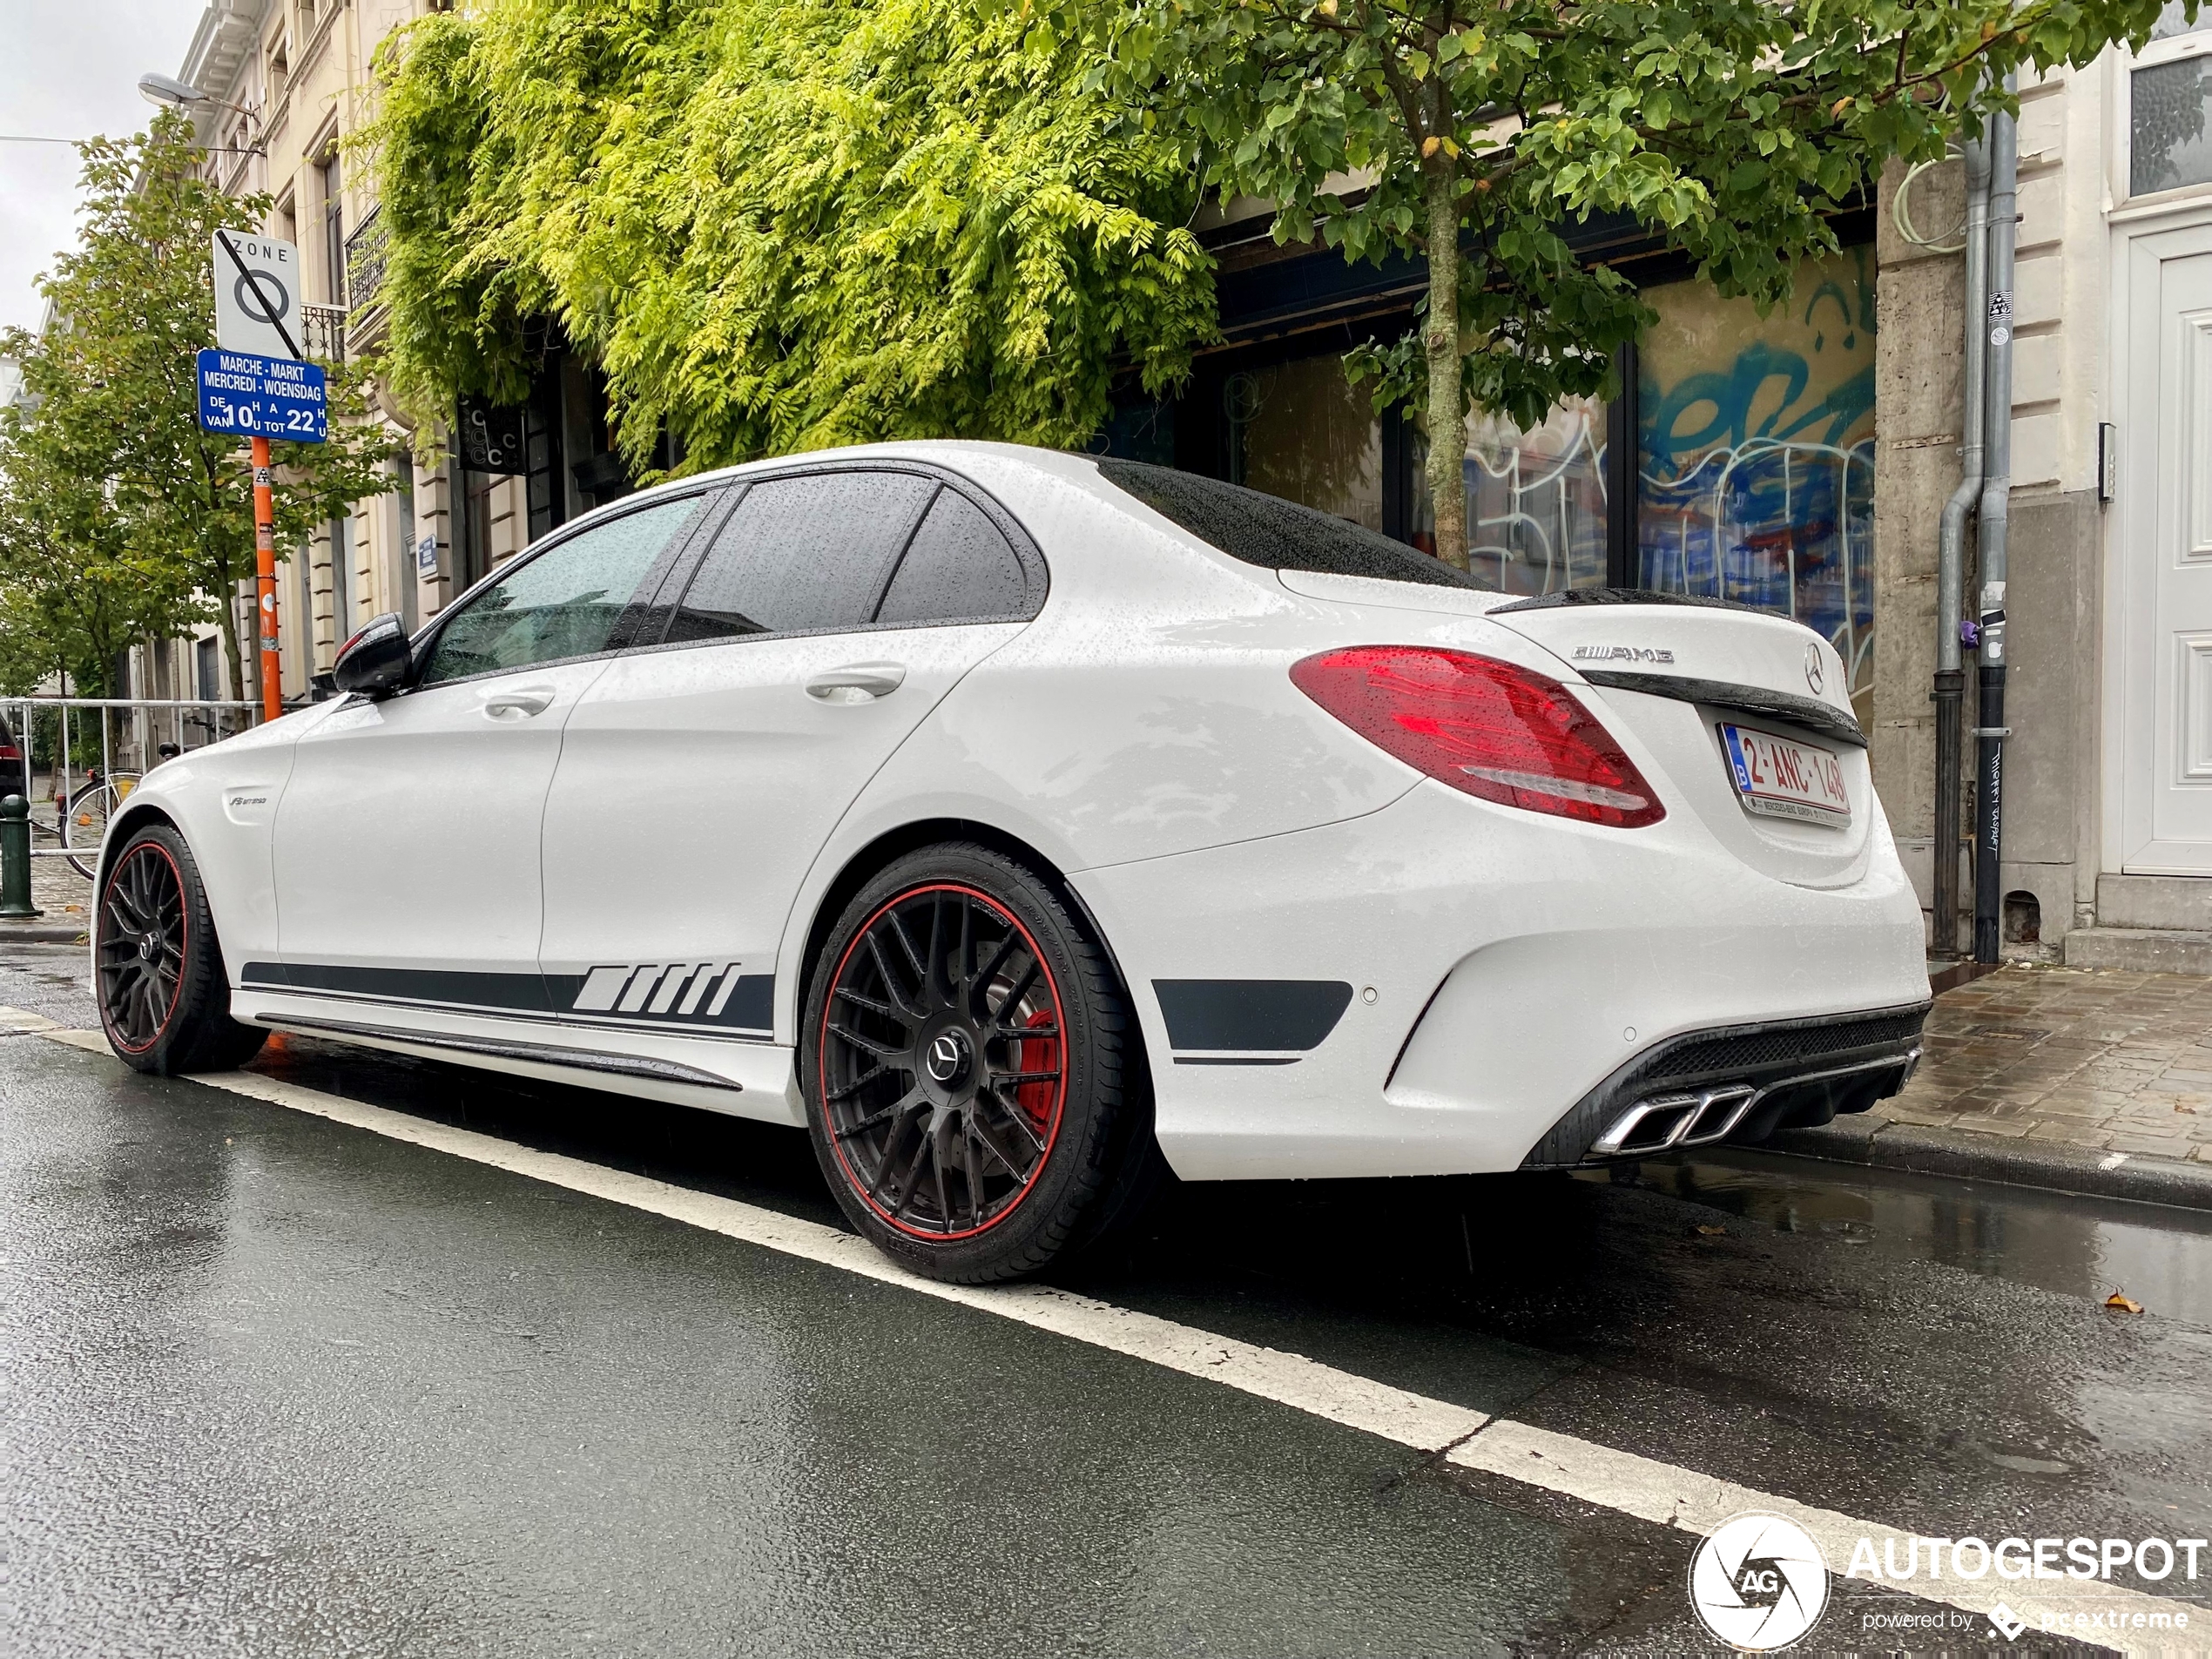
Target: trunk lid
[{"x": 1673, "y": 674}]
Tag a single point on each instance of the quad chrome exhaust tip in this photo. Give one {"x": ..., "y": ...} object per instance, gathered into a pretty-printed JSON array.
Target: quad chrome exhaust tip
[
  {"x": 1697, "y": 1117},
  {"x": 1666, "y": 1121}
]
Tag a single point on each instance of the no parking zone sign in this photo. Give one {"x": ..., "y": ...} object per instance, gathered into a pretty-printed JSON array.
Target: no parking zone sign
[
  {"x": 257, "y": 294},
  {"x": 262, "y": 397}
]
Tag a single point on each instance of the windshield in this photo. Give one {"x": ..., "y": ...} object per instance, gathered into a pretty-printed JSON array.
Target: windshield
[{"x": 1275, "y": 534}]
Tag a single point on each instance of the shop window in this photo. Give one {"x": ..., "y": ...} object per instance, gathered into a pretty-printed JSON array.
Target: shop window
[
  {"x": 1302, "y": 431},
  {"x": 1755, "y": 452},
  {"x": 1536, "y": 500}
]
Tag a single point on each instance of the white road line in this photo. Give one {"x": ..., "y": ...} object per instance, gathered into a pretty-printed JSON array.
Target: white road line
[{"x": 1659, "y": 1492}]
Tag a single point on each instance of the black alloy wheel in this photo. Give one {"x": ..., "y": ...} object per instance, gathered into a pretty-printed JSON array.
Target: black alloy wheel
[
  {"x": 143, "y": 935},
  {"x": 967, "y": 1068},
  {"x": 163, "y": 995},
  {"x": 941, "y": 1061}
]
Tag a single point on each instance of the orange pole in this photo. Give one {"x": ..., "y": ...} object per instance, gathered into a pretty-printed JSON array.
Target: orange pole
[{"x": 264, "y": 581}]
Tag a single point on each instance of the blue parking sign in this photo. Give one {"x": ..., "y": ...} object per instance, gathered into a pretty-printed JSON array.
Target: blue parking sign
[{"x": 262, "y": 397}]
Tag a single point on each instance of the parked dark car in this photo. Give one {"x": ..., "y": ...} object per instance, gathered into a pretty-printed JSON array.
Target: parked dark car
[{"x": 14, "y": 765}]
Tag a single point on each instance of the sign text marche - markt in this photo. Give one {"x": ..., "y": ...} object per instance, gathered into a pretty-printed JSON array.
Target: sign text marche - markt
[{"x": 262, "y": 397}]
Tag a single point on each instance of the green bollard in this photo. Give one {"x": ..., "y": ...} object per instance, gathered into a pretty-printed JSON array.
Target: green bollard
[{"x": 14, "y": 858}]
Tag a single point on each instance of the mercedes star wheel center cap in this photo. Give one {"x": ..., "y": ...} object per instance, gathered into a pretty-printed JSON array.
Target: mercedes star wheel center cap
[{"x": 947, "y": 1056}]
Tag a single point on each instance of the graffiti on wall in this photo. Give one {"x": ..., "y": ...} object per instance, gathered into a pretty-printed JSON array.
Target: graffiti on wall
[
  {"x": 1757, "y": 452},
  {"x": 1537, "y": 499}
]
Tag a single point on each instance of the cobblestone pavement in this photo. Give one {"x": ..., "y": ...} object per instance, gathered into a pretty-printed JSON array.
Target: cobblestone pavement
[
  {"x": 64, "y": 895},
  {"x": 2118, "y": 1062}
]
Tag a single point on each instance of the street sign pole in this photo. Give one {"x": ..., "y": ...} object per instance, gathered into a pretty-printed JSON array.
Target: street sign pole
[
  {"x": 264, "y": 581},
  {"x": 255, "y": 382}
]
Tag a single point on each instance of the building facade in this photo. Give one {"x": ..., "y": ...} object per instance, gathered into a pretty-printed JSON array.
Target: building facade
[
  {"x": 2108, "y": 814},
  {"x": 1798, "y": 461},
  {"x": 290, "y": 82}
]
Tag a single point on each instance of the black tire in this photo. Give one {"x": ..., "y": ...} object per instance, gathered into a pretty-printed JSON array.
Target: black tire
[
  {"x": 157, "y": 967},
  {"x": 963, "y": 1147}
]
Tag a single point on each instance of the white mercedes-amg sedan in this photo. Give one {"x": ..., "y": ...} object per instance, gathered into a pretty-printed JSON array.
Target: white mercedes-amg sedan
[{"x": 1022, "y": 823}]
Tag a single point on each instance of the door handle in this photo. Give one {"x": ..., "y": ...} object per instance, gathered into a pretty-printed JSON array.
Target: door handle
[
  {"x": 856, "y": 682},
  {"x": 519, "y": 704}
]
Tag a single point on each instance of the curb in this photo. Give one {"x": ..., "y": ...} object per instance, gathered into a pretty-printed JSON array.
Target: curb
[
  {"x": 1963, "y": 1155},
  {"x": 45, "y": 933}
]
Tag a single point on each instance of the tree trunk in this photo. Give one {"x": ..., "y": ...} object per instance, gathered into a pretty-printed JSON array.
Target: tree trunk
[
  {"x": 229, "y": 640},
  {"x": 1446, "y": 440}
]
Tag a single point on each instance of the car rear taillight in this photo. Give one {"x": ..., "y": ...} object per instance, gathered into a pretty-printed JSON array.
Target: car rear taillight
[
  {"x": 9, "y": 752},
  {"x": 1505, "y": 733}
]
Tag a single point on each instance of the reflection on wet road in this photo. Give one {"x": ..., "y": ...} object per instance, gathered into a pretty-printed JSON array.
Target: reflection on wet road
[{"x": 276, "y": 1385}]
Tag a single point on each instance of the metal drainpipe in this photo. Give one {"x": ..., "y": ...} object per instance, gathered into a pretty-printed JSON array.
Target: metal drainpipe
[
  {"x": 1996, "y": 501},
  {"x": 1950, "y": 556}
]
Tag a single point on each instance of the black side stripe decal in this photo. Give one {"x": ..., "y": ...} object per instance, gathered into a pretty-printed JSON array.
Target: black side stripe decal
[
  {"x": 1243, "y": 1016},
  {"x": 506, "y": 992},
  {"x": 659, "y": 993}
]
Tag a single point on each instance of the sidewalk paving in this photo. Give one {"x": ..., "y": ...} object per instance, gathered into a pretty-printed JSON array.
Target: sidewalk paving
[
  {"x": 65, "y": 896},
  {"x": 2092, "y": 1059}
]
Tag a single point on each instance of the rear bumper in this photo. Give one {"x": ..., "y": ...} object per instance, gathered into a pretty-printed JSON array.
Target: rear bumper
[
  {"x": 1737, "y": 1083},
  {"x": 1495, "y": 970}
]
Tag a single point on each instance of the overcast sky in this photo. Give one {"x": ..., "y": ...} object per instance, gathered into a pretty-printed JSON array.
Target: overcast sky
[{"x": 69, "y": 69}]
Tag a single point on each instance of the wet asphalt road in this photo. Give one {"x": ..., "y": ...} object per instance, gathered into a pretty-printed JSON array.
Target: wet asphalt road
[{"x": 272, "y": 1385}]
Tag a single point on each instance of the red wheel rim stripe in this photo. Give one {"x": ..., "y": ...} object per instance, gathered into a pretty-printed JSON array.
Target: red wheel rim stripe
[
  {"x": 1060, "y": 1100},
  {"x": 183, "y": 923}
]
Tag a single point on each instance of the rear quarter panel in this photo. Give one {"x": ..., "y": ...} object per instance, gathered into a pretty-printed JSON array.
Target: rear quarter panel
[{"x": 1147, "y": 711}]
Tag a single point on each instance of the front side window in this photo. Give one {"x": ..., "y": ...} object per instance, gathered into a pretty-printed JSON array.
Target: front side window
[
  {"x": 801, "y": 556},
  {"x": 563, "y": 602}
]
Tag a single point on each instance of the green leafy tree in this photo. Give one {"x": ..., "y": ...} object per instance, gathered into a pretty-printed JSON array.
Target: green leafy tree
[
  {"x": 778, "y": 226},
  {"x": 1729, "y": 128},
  {"x": 114, "y": 396},
  {"x": 73, "y": 592}
]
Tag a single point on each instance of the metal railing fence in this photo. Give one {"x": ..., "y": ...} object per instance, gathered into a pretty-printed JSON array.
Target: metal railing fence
[{"x": 130, "y": 736}]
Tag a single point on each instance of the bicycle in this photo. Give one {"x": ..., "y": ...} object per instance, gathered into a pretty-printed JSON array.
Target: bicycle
[{"x": 83, "y": 817}]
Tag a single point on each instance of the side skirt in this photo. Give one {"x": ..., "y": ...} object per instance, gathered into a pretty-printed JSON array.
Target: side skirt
[
  {"x": 543, "y": 1054},
  {"x": 754, "y": 1080}
]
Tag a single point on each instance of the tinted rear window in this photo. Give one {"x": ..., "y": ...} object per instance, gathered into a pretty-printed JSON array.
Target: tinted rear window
[
  {"x": 802, "y": 554},
  {"x": 1275, "y": 534},
  {"x": 957, "y": 568}
]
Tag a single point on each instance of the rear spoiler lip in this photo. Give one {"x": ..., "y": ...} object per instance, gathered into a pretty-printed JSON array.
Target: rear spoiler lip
[
  {"x": 1814, "y": 716},
  {"x": 1623, "y": 597}
]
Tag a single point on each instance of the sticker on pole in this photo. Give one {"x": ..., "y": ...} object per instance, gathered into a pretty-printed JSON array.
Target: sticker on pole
[
  {"x": 262, "y": 397},
  {"x": 257, "y": 294}
]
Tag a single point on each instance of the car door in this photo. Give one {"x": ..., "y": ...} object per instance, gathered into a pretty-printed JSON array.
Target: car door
[
  {"x": 406, "y": 839},
  {"x": 699, "y": 777}
]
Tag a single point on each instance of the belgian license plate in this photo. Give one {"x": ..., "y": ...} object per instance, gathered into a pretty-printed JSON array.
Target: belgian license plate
[{"x": 1782, "y": 778}]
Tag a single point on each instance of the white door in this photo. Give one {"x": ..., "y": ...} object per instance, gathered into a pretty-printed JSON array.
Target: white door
[
  {"x": 699, "y": 778},
  {"x": 406, "y": 839},
  {"x": 2164, "y": 541}
]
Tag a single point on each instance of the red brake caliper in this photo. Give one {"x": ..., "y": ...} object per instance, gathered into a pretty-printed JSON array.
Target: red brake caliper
[{"x": 1036, "y": 1099}]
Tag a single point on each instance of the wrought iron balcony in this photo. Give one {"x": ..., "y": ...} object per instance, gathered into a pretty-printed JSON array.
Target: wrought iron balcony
[
  {"x": 364, "y": 251},
  {"x": 322, "y": 332}
]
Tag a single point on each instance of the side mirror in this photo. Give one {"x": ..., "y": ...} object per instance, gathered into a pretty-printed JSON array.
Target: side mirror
[{"x": 376, "y": 661}]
